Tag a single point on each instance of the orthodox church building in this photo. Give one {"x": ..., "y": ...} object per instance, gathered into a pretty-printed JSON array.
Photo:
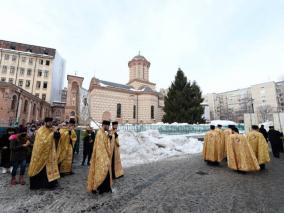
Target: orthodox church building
[{"x": 138, "y": 101}]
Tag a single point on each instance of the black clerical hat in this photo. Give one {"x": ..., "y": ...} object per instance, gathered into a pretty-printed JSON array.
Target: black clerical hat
[
  {"x": 72, "y": 121},
  {"x": 105, "y": 122},
  {"x": 114, "y": 123}
]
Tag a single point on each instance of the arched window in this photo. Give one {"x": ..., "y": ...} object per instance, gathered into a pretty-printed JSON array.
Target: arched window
[
  {"x": 118, "y": 111},
  {"x": 58, "y": 113},
  {"x": 26, "y": 106},
  {"x": 14, "y": 102},
  {"x": 34, "y": 109},
  {"x": 40, "y": 112},
  {"x": 134, "y": 111},
  {"x": 152, "y": 112}
]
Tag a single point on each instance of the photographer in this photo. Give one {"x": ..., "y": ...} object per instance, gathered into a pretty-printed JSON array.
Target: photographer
[
  {"x": 88, "y": 146},
  {"x": 19, "y": 148},
  {"x": 31, "y": 138}
]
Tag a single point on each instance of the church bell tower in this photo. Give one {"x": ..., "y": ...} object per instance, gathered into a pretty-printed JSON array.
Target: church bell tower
[{"x": 139, "y": 68}]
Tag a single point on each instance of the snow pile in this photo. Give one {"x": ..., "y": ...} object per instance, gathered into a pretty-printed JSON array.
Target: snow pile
[
  {"x": 149, "y": 146},
  {"x": 95, "y": 125},
  {"x": 222, "y": 122}
]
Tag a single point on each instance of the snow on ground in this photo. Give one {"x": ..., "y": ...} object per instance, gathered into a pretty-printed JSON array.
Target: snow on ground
[
  {"x": 222, "y": 122},
  {"x": 149, "y": 146}
]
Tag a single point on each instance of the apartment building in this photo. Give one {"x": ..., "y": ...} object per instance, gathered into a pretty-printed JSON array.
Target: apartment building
[
  {"x": 38, "y": 70},
  {"x": 263, "y": 99}
]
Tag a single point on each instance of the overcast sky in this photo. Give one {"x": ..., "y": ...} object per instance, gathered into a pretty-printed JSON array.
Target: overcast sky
[{"x": 222, "y": 44}]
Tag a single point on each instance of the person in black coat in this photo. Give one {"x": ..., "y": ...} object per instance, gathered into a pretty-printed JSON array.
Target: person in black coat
[
  {"x": 5, "y": 150},
  {"x": 263, "y": 131},
  {"x": 88, "y": 146},
  {"x": 281, "y": 145},
  {"x": 274, "y": 137},
  {"x": 19, "y": 151}
]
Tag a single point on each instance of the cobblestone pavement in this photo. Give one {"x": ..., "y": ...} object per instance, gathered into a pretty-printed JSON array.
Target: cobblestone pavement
[{"x": 181, "y": 184}]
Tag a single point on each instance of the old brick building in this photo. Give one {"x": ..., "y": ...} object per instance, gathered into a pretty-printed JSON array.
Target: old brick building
[
  {"x": 19, "y": 106},
  {"x": 38, "y": 70}
]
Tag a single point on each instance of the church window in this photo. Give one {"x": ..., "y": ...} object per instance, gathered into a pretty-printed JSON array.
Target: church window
[
  {"x": 14, "y": 101},
  {"x": 34, "y": 109},
  {"x": 25, "y": 106},
  {"x": 152, "y": 112},
  {"x": 134, "y": 111},
  {"x": 118, "y": 111}
]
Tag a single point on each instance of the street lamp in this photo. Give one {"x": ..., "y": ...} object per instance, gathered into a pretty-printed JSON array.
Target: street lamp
[{"x": 251, "y": 109}]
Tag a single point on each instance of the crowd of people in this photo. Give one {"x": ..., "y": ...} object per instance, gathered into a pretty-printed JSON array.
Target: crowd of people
[
  {"x": 243, "y": 153},
  {"x": 48, "y": 150}
]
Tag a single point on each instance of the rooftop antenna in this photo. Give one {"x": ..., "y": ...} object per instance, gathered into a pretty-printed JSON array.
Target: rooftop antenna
[{"x": 139, "y": 52}]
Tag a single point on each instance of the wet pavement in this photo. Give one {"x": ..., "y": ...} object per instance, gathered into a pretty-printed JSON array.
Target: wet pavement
[{"x": 180, "y": 184}]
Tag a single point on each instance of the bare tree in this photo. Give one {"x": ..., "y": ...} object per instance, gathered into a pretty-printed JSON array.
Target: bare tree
[{"x": 264, "y": 112}]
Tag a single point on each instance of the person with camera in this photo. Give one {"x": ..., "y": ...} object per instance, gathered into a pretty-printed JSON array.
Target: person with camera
[
  {"x": 31, "y": 136},
  {"x": 88, "y": 146},
  {"x": 19, "y": 148}
]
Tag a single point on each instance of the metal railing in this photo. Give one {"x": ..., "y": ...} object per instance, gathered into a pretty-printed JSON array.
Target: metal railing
[{"x": 172, "y": 129}]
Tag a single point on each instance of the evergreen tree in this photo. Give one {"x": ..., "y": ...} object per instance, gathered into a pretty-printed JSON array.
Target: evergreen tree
[{"x": 183, "y": 101}]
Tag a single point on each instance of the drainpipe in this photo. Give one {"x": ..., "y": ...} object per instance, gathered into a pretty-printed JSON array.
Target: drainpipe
[
  {"x": 19, "y": 98},
  {"x": 137, "y": 109}
]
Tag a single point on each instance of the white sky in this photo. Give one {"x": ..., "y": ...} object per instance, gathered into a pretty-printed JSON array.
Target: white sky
[{"x": 222, "y": 44}]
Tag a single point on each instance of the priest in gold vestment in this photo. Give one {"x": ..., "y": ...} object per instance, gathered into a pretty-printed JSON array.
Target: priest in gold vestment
[
  {"x": 227, "y": 133},
  {"x": 222, "y": 136},
  {"x": 213, "y": 152},
  {"x": 99, "y": 177},
  {"x": 240, "y": 155},
  {"x": 66, "y": 144},
  {"x": 43, "y": 168},
  {"x": 259, "y": 146},
  {"x": 116, "y": 165}
]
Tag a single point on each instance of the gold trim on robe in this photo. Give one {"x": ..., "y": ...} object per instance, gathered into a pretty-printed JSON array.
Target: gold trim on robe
[
  {"x": 222, "y": 137},
  {"x": 44, "y": 155},
  {"x": 240, "y": 155},
  {"x": 118, "y": 170},
  {"x": 213, "y": 148},
  {"x": 259, "y": 146},
  {"x": 65, "y": 150},
  {"x": 227, "y": 133},
  {"x": 100, "y": 162}
]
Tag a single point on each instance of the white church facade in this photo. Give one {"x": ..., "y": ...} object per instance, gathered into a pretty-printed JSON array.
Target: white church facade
[{"x": 135, "y": 102}]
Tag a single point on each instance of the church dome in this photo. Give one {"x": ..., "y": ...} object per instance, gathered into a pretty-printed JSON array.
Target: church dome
[{"x": 140, "y": 59}]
